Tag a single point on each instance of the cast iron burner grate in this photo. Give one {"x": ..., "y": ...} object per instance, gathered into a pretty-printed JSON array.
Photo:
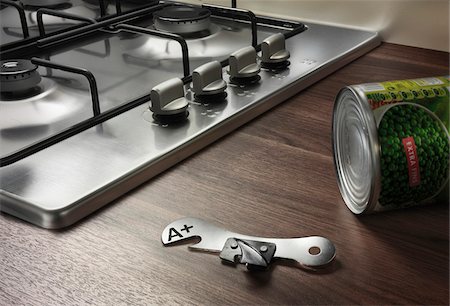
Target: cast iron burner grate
[{"x": 51, "y": 4}]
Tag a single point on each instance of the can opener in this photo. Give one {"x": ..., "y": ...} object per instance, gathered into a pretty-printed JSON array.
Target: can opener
[{"x": 254, "y": 252}]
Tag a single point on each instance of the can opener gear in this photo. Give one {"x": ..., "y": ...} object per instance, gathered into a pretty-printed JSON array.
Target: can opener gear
[{"x": 254, "y": 252}]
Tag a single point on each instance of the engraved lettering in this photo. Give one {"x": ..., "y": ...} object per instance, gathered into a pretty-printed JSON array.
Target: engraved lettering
[
  {"x": 186, "y": 228},
  {"x": 174, "y": 233}
]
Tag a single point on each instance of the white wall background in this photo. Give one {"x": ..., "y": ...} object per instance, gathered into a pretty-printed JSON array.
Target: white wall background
[{"x": 420, "y": 23}]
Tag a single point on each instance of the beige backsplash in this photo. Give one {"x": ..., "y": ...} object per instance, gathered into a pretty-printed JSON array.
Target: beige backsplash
[{"x": 420, "y": 23}]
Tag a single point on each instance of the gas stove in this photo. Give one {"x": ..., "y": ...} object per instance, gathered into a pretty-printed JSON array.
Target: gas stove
[{"x": 91, "y": 110}]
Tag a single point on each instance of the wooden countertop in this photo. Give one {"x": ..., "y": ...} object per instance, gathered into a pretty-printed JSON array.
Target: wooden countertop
[{"x": 273, "y": 177}]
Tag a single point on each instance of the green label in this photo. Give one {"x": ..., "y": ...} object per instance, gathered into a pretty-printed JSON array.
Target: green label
[
  {"x": 433, "y": 93},
  {"x": 414, "y": 156},
  {"x": 414, "y": 146}
]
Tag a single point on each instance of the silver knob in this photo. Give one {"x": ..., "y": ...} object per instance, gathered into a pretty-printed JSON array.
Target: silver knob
[
  {"x": 274, "y": 53},
  {"x": 167, "y": 100},
  {"x": 207, "y": 80},
  {"x": 243, "y": 65}
]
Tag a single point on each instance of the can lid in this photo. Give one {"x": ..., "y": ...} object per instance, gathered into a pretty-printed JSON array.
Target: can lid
[{"x": 356, "y": 151}]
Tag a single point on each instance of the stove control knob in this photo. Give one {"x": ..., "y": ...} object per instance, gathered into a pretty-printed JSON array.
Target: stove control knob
[
  {"x": 168, "y": 103},
  {"x": 243, "y": 66},
  {"x": 208, "y": 84},
  {"x": 274, "y": 53}
]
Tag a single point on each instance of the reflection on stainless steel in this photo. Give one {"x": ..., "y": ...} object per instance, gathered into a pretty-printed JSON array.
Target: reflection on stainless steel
[
  {"x": 11, "y": 29},
  {"x": 52, "y": 22},
  {"x": 221, "y": 41},
  {"x": 99, "y": 164},
  {"x": 30, "y": 119}
]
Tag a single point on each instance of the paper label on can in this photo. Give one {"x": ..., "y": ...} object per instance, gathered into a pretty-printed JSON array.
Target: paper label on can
[
  {"x": 411, "y": 156},
  {"x": 412, "y": 160},
  {"x": 433, "y": 93},
  {"x": 428, "y": 81},
  {"x": 369, "y": 87}
]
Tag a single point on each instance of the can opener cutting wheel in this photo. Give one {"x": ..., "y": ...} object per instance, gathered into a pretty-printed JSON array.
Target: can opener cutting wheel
[{"x": 254, "y": 252}]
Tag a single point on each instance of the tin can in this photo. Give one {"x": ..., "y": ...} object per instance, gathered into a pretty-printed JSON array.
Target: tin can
[{"x": 391, "y": 143}]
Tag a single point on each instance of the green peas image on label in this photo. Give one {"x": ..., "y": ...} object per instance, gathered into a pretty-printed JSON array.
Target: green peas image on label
[{"x": 414, "y": 157}]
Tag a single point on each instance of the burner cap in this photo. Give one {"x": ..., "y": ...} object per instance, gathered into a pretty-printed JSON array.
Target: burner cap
[
  {"x": 182, "y": 19},
  {"x": 18, "y": 75}
]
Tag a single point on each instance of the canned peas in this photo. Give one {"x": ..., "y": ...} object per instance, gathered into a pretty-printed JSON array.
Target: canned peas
[{"x": 432, "y": 146}]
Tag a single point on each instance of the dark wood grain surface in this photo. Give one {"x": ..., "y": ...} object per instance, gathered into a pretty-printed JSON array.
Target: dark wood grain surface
[{"x": 272, "y": 177}]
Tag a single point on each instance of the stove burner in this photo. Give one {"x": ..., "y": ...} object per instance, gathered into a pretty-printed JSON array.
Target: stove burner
[
  {"x": 18, "y": 76},
  {"x": 182, "y": 19}
]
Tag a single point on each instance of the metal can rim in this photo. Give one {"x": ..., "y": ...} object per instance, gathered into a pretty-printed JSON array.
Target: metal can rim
[{"x": 366, "y": 118}]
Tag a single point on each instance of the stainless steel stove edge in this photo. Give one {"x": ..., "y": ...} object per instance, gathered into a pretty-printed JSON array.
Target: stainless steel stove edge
[{"x": 63, "y": 217}]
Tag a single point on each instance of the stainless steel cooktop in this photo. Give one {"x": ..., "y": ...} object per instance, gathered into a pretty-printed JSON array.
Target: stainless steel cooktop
[{"x": 63, "y": 158}]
